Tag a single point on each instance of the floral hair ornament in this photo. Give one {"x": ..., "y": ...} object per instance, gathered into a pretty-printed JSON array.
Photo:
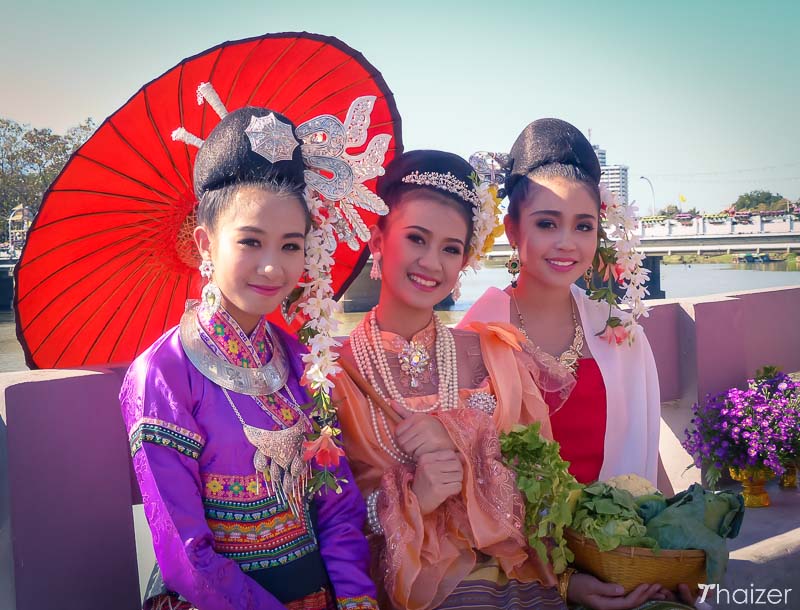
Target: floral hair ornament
[
  {"x": 617, "y": 267},
  {"x": 334, "y": 188},
  {"x": 486, "y": 226}
]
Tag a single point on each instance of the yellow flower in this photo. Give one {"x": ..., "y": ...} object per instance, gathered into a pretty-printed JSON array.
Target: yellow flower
[
  {"x": 498, "y": 229},
  {"x": 286, "y": 413},
  {"x": 233, "y": 347},
  {"x": 253, "y": 486}
]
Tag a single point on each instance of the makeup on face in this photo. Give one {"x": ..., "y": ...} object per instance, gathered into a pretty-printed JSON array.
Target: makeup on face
[{"x": 257, "y": 248}]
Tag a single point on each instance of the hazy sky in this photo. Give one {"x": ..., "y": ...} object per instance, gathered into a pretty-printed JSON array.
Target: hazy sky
[{"x": 701, "y": 97}]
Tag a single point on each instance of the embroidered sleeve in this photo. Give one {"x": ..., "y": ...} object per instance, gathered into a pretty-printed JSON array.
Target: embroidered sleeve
[
  {"x": 356, "y": 603},
  {"x": 344, "y": 548},
  {"x": 158, "y": 400},
  {"x": 166, "y": 434}
]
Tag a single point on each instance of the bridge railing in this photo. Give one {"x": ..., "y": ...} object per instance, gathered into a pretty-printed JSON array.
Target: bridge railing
[{"x": 755, "y": 224}]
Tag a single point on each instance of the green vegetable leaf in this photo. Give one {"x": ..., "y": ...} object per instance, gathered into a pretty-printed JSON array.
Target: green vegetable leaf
[{"x": 548, "y": 489}]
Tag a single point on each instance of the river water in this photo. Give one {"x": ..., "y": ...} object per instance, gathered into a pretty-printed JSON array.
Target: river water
[{"x": 678, "y": 281}]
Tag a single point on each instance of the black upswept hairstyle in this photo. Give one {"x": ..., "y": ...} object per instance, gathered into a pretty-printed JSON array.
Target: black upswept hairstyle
[
  {"x": 226, "y": 163},
  {"x": 550, "y": 148}
]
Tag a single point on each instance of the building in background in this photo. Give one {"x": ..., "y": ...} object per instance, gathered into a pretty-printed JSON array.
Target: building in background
[
  {"x": 601, "y": 153},
  {"x": 615, "y": 177}
]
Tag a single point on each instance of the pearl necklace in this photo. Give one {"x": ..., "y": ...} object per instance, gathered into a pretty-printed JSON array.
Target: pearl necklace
[{"x": 370, "y": 356}]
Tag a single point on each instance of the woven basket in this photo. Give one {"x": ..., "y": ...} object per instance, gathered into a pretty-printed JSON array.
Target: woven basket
[{"x": 631, "y": 566}]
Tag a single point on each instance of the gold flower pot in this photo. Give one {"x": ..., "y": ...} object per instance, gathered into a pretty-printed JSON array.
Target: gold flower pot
[
  {"x": 753, "y": 479},
  {"x": 789, "y": 478}
]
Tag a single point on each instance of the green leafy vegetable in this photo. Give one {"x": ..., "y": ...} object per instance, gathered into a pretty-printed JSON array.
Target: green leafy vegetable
[
  {"x": 610, "y": 517},
  {"x": 549, "y": 491},
  {"x": 700, "y": 519}
]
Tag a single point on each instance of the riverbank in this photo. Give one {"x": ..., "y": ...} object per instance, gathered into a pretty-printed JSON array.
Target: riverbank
[{"x": 790, "y": 258}]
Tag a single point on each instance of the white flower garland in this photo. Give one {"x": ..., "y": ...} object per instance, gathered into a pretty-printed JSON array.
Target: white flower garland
[
  {"x": 622, "y": 224},
  {"x": 317, "y": 303}
]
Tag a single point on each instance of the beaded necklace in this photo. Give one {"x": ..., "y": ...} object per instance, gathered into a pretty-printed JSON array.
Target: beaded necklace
[{"x": 370, "y": 357}]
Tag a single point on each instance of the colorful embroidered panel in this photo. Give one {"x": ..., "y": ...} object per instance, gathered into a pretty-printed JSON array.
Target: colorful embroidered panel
[
  {"x": 166, "y": 434},
  {"x": 321, "y": 600},
  {"x": 251, "y": 527},
  {"x": 225, "y": 338},
  {"x": 356, "y": 603},
  {"x": 228, "y": 340}
]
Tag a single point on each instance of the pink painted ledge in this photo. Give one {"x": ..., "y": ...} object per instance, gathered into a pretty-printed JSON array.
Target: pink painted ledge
[{"x": 66, "y": 487}]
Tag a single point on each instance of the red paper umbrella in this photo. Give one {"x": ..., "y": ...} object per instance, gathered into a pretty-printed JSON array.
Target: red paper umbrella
[{"x": 109, "y": 261}]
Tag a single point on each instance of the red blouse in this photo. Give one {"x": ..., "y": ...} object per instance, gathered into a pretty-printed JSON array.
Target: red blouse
[{"x": 580, "y": 425}]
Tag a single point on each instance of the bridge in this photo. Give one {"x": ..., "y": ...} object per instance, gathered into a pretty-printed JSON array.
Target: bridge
[
  {"x": 721, "y": 235},
  {"x": 701, "y": 236},
  {"x": 721, "y": 244}
]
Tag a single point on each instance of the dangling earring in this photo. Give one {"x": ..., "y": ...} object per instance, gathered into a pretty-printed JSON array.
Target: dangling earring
[
  {"x": 587, "y": 278},
  {"x": 513, "y": 265},
  {"x": 286, "y": 310},
  {"x": 375, "y": 272},
  {"x": 457, "y": 288},
  {"x": 211, "y": 297}
]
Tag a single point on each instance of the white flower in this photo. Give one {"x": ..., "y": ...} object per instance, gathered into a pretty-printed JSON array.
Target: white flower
[
  {"x": 622, "y": 226},
  {"x": 318, "y": 378},
  {"x": 312, "y": 307}
]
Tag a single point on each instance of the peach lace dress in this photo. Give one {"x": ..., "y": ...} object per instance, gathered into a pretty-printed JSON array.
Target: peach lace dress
[{"x": 471, "y": 552}]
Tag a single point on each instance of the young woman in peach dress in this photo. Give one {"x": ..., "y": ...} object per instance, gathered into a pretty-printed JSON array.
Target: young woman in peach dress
[{"x": 422, "y": 405}]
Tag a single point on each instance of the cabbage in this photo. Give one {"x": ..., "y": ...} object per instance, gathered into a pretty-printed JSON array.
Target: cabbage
[{"x": 609, "y": 516}]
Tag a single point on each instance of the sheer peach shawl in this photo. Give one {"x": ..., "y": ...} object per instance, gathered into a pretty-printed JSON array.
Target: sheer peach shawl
[{"x": 425, "y": 557}]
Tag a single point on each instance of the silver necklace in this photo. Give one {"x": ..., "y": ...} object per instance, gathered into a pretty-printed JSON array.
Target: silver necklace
[{"x": 278, "y": 458}]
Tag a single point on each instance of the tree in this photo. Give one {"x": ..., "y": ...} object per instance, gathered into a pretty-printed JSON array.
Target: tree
[
  {"x": 12, "y": 178},
  {"x": 758, "y": 201},
  {"x": 782, "y": 205},
  {"x": 670, "y": 210},
  {"x": 31, "y": 158}
]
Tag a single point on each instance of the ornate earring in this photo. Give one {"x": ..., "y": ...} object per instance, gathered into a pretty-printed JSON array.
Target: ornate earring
[
  {"x": 513, "y": 264},
  {"x": 286, "y": 310},
  {"x": 290, "y": 305},
  {"x": 375, "y": 272},
  {"x": 211, "y": 297},
  {"x": 587, "y": 278}
]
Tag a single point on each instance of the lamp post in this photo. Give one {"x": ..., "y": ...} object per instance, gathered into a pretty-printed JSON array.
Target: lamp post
[{"x": 652, "y": 191}]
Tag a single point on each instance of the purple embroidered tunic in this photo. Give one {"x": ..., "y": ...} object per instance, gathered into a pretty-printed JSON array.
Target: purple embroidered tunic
[{"x": 221, "y": 540}]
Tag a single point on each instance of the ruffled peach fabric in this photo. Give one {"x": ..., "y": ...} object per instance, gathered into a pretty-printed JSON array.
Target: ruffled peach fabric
[{"x": 425, "y": 557}]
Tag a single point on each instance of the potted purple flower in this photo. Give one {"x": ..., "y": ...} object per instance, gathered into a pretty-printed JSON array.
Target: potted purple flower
[{"x": 754, "y": 433}]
